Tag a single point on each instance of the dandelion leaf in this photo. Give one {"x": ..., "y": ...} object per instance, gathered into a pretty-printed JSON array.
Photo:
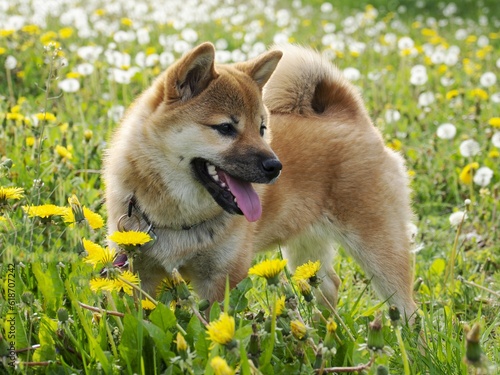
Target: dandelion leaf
[
  {"x": 50, "y": 285},
  {"x": 163, "y": 317},
  {"x": 237, "y": 300},
  {"x": 161, "y": 339},
  {"x": 47, "y": 350}
]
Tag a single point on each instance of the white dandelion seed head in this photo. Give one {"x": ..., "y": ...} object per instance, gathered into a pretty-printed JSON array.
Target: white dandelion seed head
[
  {"x": 329, "y": 27},
  {"x": 238, "y": 55},
  {"x": 446, "y": 81},
  {"x": 461, "y": 34},
  {"x": 469, "y": 148},
  {"x": 221, "y": 44},
  {"x": 392, "y": 115},
  {"x": 457, "y": 217},
  {"x": 280, "y": 38},
  {"x": 390, "y": 38},
  {"x": 488, "y": 79},
  {"x": 438, "y": 57},
  {"x": 116, "y": 112},
  {"x": 495, "y": 139},
  {"x": 446, "y": 131},
  {"x": 10, "y": 62},
  {"x": 450, "y": 9},
  {"x": 419, "y": 79},
  {"x": 467, "y": 201},
  {"x": 483, "y": 176},
  {"x": 352, "y": 74},
  {"x": 418, "y": 69},
  {"x": 483, "y": 41},
  {"x": 451, "y": 59},
  {"x": 166, "y": 59},
  {"x": 143, "y": 36},
  {"x": 189, "y": 35},
  {"x": 85, "y": 69},
  {"x": 405, "y": 43},
  {"x": 69, "y": 85},
  {"x": 326, "y": 7},
  {"x": 495, "y": 98},
  {"x": 425, "y": 99}
]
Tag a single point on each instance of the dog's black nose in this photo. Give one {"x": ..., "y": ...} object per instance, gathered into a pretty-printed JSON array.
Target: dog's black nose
[{"x": 271, "y": 168}]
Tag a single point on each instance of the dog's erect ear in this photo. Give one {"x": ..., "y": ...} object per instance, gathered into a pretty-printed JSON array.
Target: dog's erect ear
[
  {"x": 191, "y": 74},
  {"x": 261, "y": 67}
]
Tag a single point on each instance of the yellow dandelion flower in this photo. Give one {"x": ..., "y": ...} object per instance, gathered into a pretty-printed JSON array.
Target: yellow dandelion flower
[
  {"x": 73, "y": 75},
  {"x": 150, "y": 51},
  {"x": 467, "y": 172},
  {"x": 395, "y": 144},
  {"x": 452, "y": 94},
  {"x": 95, "y": 220},
  {"x": 493, "y": 154},
  {"x": 181, "y": 343},
  {"x": 6, "y": 32},
  {"x": 280, "y": 305},
  {"x": 66, "y": 32},
  {"x": 48, "y": 37},
  {"x": 305, "y": 289},
  {"x": 126, "y": 22},
  {"x": 30, "y": 141},
  {"x": 46, "y": 116},
  {"x": 15, "y": 116},
  {"x": 130, "y": 238},
  {"x": 220, "y": 366},
  {"x": 495, "y": 122},
  {"x": 100, "y": 12},
  {"x": 221, "y": 331},
  {"x": 124, "y": 281},
  {"x": 13, "y": 193},
  {"x": 100, "y": 283},
  {"x": 98, "y": 254},
  {"x": 31, "y": 29},
  {"x": 63, "y": 152},
  {"x": 307, "y": 271},
  {"x": 331, "y": 326},
  {"x": 479, "y": 94},
  {"x": 147, "y": 304},
  {"x": 299, "y": 330},
  {"x": 44, "y": 210},
  {"x": 2, "y": 50},
  {"x": 270, "y": 269}
]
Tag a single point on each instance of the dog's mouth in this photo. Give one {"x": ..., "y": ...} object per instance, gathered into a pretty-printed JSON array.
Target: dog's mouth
[{"x": 232, "y": 194}]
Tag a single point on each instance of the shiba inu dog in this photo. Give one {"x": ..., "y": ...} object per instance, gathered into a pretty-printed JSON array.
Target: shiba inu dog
[{"x": 218, "y": 162}]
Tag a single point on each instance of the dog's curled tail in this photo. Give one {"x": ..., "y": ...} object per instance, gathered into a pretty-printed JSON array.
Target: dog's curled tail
[{"x": 306, "y": 83}]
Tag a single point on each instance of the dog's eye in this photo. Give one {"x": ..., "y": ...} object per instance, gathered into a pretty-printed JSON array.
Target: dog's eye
[
  {"x": 262, "y": 130},
  {"x": 226, "y": 128}
]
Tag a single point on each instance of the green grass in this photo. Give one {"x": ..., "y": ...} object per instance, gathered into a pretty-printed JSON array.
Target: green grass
[{"x": 51, "y": 322}]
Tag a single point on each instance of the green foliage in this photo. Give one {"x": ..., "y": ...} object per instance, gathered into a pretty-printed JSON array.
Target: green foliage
[{"x": 52, "y": 141}]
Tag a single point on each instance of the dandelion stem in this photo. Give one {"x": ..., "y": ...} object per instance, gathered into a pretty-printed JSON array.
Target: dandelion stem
[
  {"x": 357, "y": 368},
  {"x": 404, "y": 355},
  {"x": 11, "y": 90},
  {"x": 451, "y": 262},
  {"x": 99, "y": 310},
  {"x": 337, "y": 316},
  {"x": 470, "y": 283}
]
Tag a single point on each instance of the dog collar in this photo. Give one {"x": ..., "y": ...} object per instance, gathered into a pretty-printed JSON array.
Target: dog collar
[{"x": 134, "y": 206}]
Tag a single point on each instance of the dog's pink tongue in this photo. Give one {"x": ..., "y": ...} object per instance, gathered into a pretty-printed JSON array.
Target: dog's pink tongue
[{"x": 247, "y": 199}]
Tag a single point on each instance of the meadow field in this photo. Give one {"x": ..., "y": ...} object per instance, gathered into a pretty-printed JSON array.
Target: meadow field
[{"x": 429, "y": 74}]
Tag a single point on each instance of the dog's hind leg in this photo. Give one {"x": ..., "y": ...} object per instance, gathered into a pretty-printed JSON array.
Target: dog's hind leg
[{"x": 384, "y": 255}]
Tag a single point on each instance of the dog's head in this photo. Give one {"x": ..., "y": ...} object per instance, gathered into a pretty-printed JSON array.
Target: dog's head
[{"x": 210, "y": 120}]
